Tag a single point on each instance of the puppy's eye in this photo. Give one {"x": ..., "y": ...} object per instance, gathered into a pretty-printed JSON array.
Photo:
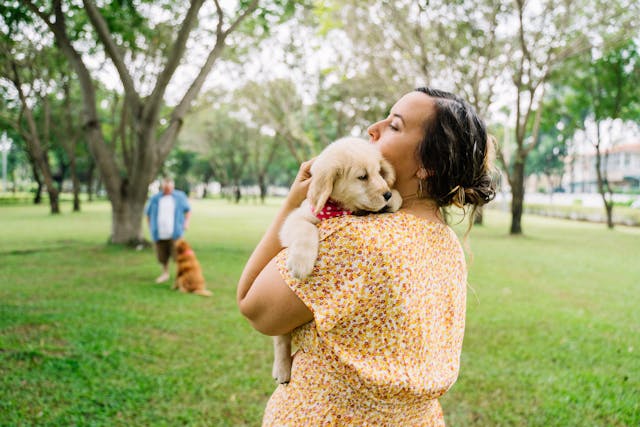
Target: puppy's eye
[
  {"x": 382, "y": 172},
  {"x": 363, "y": 177}
]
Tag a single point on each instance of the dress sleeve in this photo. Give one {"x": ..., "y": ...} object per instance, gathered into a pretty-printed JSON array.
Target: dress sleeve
[{"x": 333, "y": 288}]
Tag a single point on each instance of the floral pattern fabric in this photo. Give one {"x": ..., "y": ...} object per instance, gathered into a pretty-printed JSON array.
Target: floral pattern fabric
[{"x": 388, "y": 294}]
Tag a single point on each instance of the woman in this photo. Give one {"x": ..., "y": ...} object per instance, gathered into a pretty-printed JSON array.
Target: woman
[{"x": 379, "y": 324}]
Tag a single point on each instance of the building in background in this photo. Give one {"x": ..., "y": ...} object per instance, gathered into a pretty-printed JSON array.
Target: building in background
[{"x": 621, "y": 166}]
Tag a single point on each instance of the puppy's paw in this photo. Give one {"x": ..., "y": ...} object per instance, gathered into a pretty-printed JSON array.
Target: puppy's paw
[
  {"x": 300, "y": 265},
  {"x": 282, "y": 370},
  {"x": 395, "y": 201}
]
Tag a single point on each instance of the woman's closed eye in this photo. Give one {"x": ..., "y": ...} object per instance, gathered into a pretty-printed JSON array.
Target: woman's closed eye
[{"x": 394, "y": 125}]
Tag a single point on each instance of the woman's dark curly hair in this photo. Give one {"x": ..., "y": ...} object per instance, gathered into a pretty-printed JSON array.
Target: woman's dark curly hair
[{"x": 457, "y": 153}]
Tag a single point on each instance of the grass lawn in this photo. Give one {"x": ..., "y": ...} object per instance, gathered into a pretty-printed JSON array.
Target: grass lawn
[{"x": 87, "y": 338}]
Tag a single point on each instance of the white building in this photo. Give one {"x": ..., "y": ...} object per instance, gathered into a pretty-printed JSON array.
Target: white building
[{"x": 620, "y": 164}]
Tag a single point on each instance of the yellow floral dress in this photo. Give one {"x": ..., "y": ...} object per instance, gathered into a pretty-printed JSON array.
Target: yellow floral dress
[{"x": 388, "y": 294}]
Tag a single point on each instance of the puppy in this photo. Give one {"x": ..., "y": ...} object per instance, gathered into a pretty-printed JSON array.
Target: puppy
[
  {"x": 189, "y": 277},
  {"x": 350, "y": 176}
]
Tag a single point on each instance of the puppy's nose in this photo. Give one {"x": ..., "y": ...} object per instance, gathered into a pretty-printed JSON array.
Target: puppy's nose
[{"x": 387, "y": 195}]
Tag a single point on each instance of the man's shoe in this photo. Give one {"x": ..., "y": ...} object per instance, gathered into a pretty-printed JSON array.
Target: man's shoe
[{"x": 162, "y": 278}]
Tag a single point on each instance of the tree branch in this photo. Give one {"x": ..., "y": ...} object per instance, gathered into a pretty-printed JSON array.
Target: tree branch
[
  {"x": 99, "y": 24},
  {"x": 248, "y": 11},
  {"x": 168, "y": 137},
  {"x": 173, "y": 60},
  {"x": 536, "y": 125}
]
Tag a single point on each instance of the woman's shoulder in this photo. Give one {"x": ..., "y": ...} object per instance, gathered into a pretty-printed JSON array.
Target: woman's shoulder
[{"x": 359, "y": 227}]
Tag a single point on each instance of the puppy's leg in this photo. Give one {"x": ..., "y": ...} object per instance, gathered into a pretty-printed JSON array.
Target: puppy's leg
[
  {"x": 300, "y": 235},
  {"x": 282, "y": 358},
  {"x": 395, "y": 201},
  {"x": 203, "y": 292},
  {"x": 181, "y": 285},
  {"x": 303, "y": 252}
]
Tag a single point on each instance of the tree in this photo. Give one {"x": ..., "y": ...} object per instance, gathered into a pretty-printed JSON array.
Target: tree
[
  {"x": 277, "y": 105},
  {"x": 128, "y": 38},
  {"x": 548, "y": 160},
  {"x": 608, "y": 87},
  {"x": 224, "y": 141},
  {"x": 70, "y": 136},
  {"x": 547, "y": 36},
  {"x": 30, "y": 69},
  {"x": 560, "y": 120}
]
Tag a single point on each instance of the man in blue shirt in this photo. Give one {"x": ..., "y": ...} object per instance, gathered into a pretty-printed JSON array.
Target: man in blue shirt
[{"x": 168, "y": 214}]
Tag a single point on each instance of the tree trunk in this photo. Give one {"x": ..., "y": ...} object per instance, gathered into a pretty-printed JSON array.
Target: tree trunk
[
  {"x": 602, "y": 181},
  {"x": 37, "y": 198},
  {"x": 59, "y": 177},
  {"x": 204, "y": 190},
  {"x": 90, "y": 178},
  {"x": 43, "y": 163},
  {"x": 517, "y": 197},
  {"x": 49, "y": 183},
  {"x": 76, "y": 184},
  {"x": 53, "y": 199},
  {"x": 70, "y": 146},
  {"x": 609, "y": 208},
  {"x": 263, "y": 187},
  {"x": 98, "y": 187},
  {"x": 126, "y": 222}
]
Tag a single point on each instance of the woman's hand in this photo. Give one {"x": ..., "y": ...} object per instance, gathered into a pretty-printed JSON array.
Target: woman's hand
[{"x": 300, "y": 186}]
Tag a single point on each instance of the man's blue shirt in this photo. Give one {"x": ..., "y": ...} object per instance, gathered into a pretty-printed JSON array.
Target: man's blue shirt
[{"x": 181, "y": 208}]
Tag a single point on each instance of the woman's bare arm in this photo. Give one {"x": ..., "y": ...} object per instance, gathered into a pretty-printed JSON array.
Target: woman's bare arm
[{"x": 262, "y": 295}]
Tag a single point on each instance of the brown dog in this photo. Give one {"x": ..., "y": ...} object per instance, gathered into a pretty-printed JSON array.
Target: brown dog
[{"x": 189, "y": 278}]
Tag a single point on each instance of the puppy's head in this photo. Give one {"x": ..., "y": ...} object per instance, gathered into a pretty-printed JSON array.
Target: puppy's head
[{"x": 352, "y": 172}]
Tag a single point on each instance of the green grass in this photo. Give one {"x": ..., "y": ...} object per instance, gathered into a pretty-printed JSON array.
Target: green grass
[
  {"x": 623, "y": 215},
  {"x": 87, "y": 338}
]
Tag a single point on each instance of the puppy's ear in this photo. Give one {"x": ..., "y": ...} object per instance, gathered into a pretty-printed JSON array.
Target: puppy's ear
[
  {"x": 321, "y": 187},
  {"x": 387, "y": 172}
]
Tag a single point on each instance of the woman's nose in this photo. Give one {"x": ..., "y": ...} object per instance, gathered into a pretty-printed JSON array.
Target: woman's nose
[{"x": 373, "y": 132}]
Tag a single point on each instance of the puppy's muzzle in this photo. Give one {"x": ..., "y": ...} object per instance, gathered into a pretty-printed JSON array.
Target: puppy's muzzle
[{"x": 387, "y": 195}]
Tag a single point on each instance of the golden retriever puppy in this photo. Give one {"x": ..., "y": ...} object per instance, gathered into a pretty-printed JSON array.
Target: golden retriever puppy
[
  {"x": 350, "y": 176},
  {"x": 189, "y": 277}
]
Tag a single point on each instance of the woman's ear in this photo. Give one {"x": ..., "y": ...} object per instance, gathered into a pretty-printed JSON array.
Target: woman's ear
[
  {"x": 387, "y": 172},
  {"x": 423, "y": 174},
  {"x": 321, "y": 187}
]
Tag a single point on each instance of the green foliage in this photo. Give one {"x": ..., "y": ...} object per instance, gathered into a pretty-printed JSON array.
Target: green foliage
[
  {"x": 271, "y": 13},
  {"x": 561, "y": 117},
  {"x": 86, "y": 335},
  {"x": 179, "y": 165},
  {"x": 12, "y": 15},
  {"x": 605, "y": 86},
  {"x": 223, "y": 140}
]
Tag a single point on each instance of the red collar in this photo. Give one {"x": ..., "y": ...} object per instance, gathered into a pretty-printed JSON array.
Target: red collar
[{"x": 331, "y": 209}]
